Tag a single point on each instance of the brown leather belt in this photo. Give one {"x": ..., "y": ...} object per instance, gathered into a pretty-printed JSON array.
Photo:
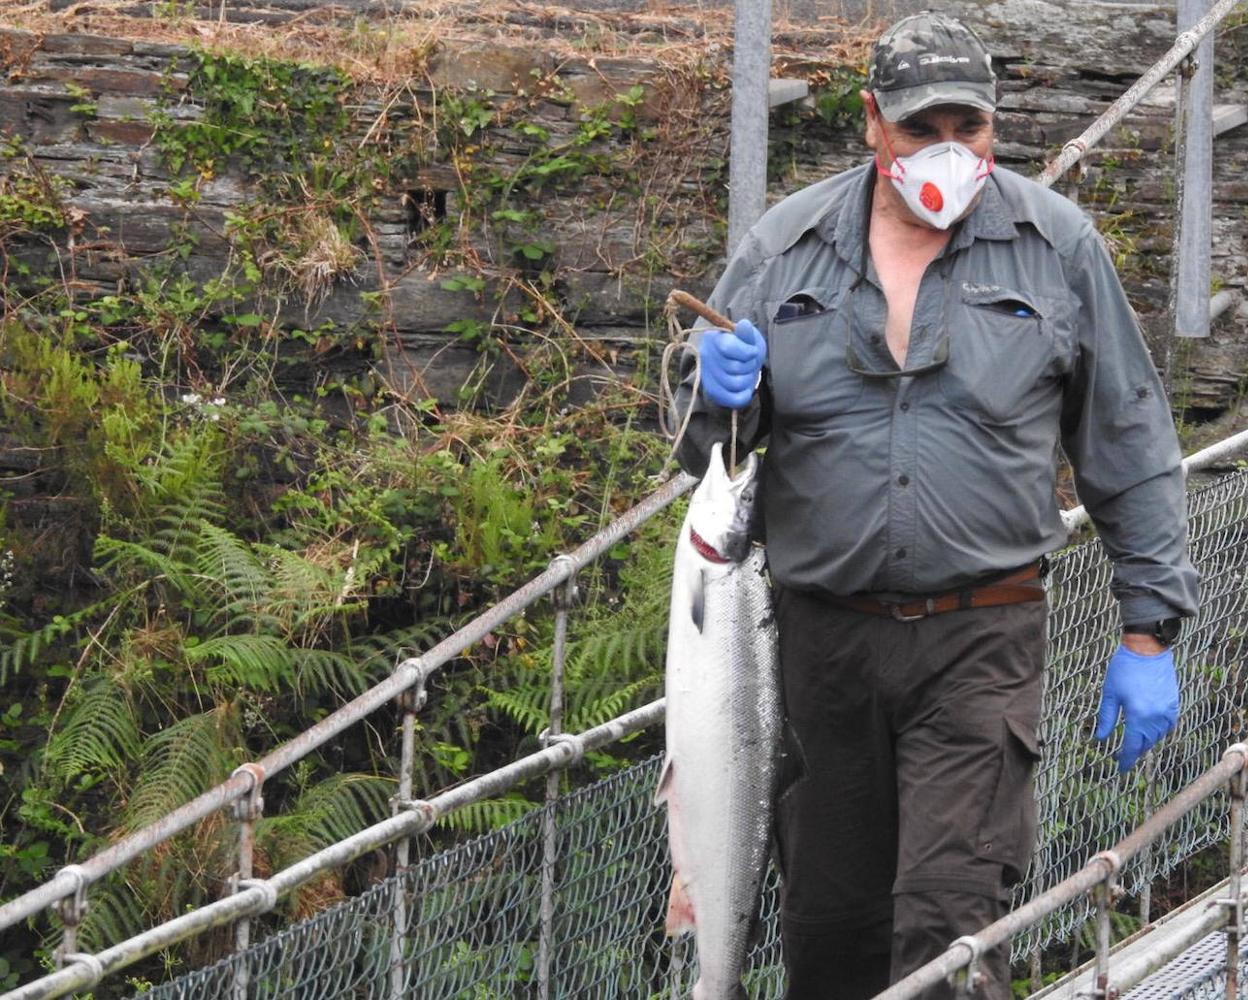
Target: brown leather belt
[{"x": 1016, "y": 588}]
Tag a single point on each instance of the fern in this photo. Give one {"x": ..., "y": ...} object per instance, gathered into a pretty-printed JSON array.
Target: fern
[
  {"x": 593, "y": 704},
  {"x": 180, "y": 762},
  {"x": 489, "y": 814},
  {"x": 25, "y": 649},
  {"x": 257, "y": 662},
  {"x": 305, "y": 597},
  {"x": 234, "y": 571},
  {"x": 100, "y": 734},
  {"x": 526, "y": 705},
  {"x": 621, "y": 651},
  {"x": 184, "y": 484},
  {"x": 114, "y": 915},
  {"x": 131, "y": 559},
  {"x": 321, "y": 671},
  {"x": 328, "y": 811}
]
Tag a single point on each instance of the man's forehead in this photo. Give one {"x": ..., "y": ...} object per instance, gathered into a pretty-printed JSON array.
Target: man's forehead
[{"x": 943, "y": 111}]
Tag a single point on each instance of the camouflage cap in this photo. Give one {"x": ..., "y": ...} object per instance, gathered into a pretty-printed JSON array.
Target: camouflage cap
[{"x": 929, "y": 59}]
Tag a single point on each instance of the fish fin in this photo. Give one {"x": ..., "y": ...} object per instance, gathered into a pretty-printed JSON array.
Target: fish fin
[
  {"x": 697, "y": 610},
  {"x": 680, "y": 918},
  {"x": 663, "y": 789}
]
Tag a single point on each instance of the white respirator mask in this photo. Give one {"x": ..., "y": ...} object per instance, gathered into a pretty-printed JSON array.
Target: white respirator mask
[{"x": 939, "y": 182}]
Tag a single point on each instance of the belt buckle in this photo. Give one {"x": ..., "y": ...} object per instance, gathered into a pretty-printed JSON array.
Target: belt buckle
[{"x": 895, "y": 611}]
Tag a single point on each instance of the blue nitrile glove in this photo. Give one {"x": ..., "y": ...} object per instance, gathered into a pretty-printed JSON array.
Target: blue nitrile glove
[
  {"x": 731, "y": 363},
  {"x": 1147, "y": 691}
]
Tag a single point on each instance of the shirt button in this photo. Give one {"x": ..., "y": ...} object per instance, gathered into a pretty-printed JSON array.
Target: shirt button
[
  {"x": 904, "y": 407},
  {"x": 903, "y": 480},
  {"x": 901, "y": 553}
]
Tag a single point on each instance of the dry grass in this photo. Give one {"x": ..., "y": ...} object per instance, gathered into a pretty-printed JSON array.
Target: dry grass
[{"x": 400, "y": 46}]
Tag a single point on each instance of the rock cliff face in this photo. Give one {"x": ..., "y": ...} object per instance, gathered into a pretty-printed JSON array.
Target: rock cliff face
[{"x": 517, "y": 169}]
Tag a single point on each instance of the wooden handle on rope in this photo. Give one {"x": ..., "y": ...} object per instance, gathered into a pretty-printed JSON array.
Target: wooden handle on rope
[{"x": 701, "y": 308}]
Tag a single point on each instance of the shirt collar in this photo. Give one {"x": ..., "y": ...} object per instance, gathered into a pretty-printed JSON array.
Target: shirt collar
[{"x": 990, "y": 219}]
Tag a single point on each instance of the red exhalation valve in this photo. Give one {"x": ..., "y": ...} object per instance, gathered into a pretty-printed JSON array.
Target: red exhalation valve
[{"x": 930, "y": 197}]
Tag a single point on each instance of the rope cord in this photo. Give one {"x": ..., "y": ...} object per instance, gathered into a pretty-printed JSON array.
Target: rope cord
[{"x": 678, "y": 340}]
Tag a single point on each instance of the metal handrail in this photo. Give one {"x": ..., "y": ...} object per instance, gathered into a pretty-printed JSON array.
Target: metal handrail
[
  {"x": 261, "y": 895},
  {"x": 409, "y": 674},
  {"x": 1184, "y": 44},
  {"x": 1100, "y": 872}
]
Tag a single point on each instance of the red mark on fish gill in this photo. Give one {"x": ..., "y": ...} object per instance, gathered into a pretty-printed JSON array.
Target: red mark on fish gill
[{"x": 704, "y": 548}]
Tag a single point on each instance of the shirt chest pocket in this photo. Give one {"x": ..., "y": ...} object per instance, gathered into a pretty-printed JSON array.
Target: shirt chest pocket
[
  {"x": 1003, "y": 352},
  {"x": 806, "y": 367}
]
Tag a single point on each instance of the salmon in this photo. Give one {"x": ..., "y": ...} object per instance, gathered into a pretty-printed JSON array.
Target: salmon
[{"x": 724, "y": 726}]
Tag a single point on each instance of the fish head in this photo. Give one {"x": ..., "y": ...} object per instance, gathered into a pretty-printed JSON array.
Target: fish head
[{"x": 721, "y": 510}]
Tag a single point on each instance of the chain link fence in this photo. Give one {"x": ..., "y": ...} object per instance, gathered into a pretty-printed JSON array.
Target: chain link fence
[{"x": 473, "y": 912}]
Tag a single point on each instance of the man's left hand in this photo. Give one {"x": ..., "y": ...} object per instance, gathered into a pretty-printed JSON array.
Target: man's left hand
[{"x": 1143, "y": 685}]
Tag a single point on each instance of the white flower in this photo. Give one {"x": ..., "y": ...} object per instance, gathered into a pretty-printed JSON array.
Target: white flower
[{"x": 192, "y": 398}]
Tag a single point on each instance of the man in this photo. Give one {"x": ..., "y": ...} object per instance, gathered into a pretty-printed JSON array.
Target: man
[{"x": 924, "y": 331}]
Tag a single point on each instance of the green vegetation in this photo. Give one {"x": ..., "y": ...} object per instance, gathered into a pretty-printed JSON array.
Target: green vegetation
[{"x": 234, "y": 520}]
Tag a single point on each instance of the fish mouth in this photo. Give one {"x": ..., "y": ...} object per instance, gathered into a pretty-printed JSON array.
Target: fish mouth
[{"x": 705, "y": 549}]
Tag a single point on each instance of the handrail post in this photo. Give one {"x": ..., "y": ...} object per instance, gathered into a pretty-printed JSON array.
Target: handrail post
[
  {"x": 410, "y": 701},
  {"x": 246, "y": 811},
  {"x": 563, "y": 596},
  {"x": 71, "y": 910},
  {"x": 967, "y": 978},
  {"x": 1104, "y": 892},
  {"x": 1194, "y": 180},
  {"x": 1235, "y": 919}
]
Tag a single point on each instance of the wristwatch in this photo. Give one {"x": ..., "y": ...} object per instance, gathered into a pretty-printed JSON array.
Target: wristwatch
[{"x": 1164, "y": 631}]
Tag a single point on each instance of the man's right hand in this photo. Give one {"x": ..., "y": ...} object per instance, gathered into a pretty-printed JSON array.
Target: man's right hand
[{"x": 731, "y": 363}]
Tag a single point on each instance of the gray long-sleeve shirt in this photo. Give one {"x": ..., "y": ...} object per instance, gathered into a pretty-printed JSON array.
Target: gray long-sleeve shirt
[{"x": 926, "y": 482}]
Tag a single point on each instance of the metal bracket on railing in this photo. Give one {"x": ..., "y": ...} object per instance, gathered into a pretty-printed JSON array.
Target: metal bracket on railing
[
  {"x": 269, "y": 893},
  {"x": 71, "y": 910},
  {"x": 74, "y": 906},
  {"x": 1235, "y": 923},
  {"x": 1111, "y": 859},
  {"x": 94, "y": 966},
  {"x": 425, "y": 808},
  {"x": 547, "y": 739},
  {"x": 412, "y": 699},
  {"x": 250, "y": 807},
  {"x": 564, "y": 596},
  {"x": 968, "y": 979},
  {"x": 1241, "y": 749}
]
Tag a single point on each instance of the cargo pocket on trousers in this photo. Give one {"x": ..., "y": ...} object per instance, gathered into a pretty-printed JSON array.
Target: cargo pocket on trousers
[{"x": 1008, "y": 833}]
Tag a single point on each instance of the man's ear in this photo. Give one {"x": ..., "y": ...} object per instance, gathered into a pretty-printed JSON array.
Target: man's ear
[{"x": 872, "y": 115}]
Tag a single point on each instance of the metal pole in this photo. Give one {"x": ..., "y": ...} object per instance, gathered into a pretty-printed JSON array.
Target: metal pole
[
  {"x": 246, "y": 810},
  {"x": 747, "y": 156},
  {"x": 410, "y": 702},
  {"x": 1195, "y": 224},
  {"x": 563, "y": 598},
  {"x": 1146, "y": 854},
  {"x": 1104, "y": 893},
  {"x": 1235, "y": 923}
]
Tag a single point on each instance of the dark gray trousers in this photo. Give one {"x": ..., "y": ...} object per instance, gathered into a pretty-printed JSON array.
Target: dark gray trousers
[{"x": 907, "y": 804}]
